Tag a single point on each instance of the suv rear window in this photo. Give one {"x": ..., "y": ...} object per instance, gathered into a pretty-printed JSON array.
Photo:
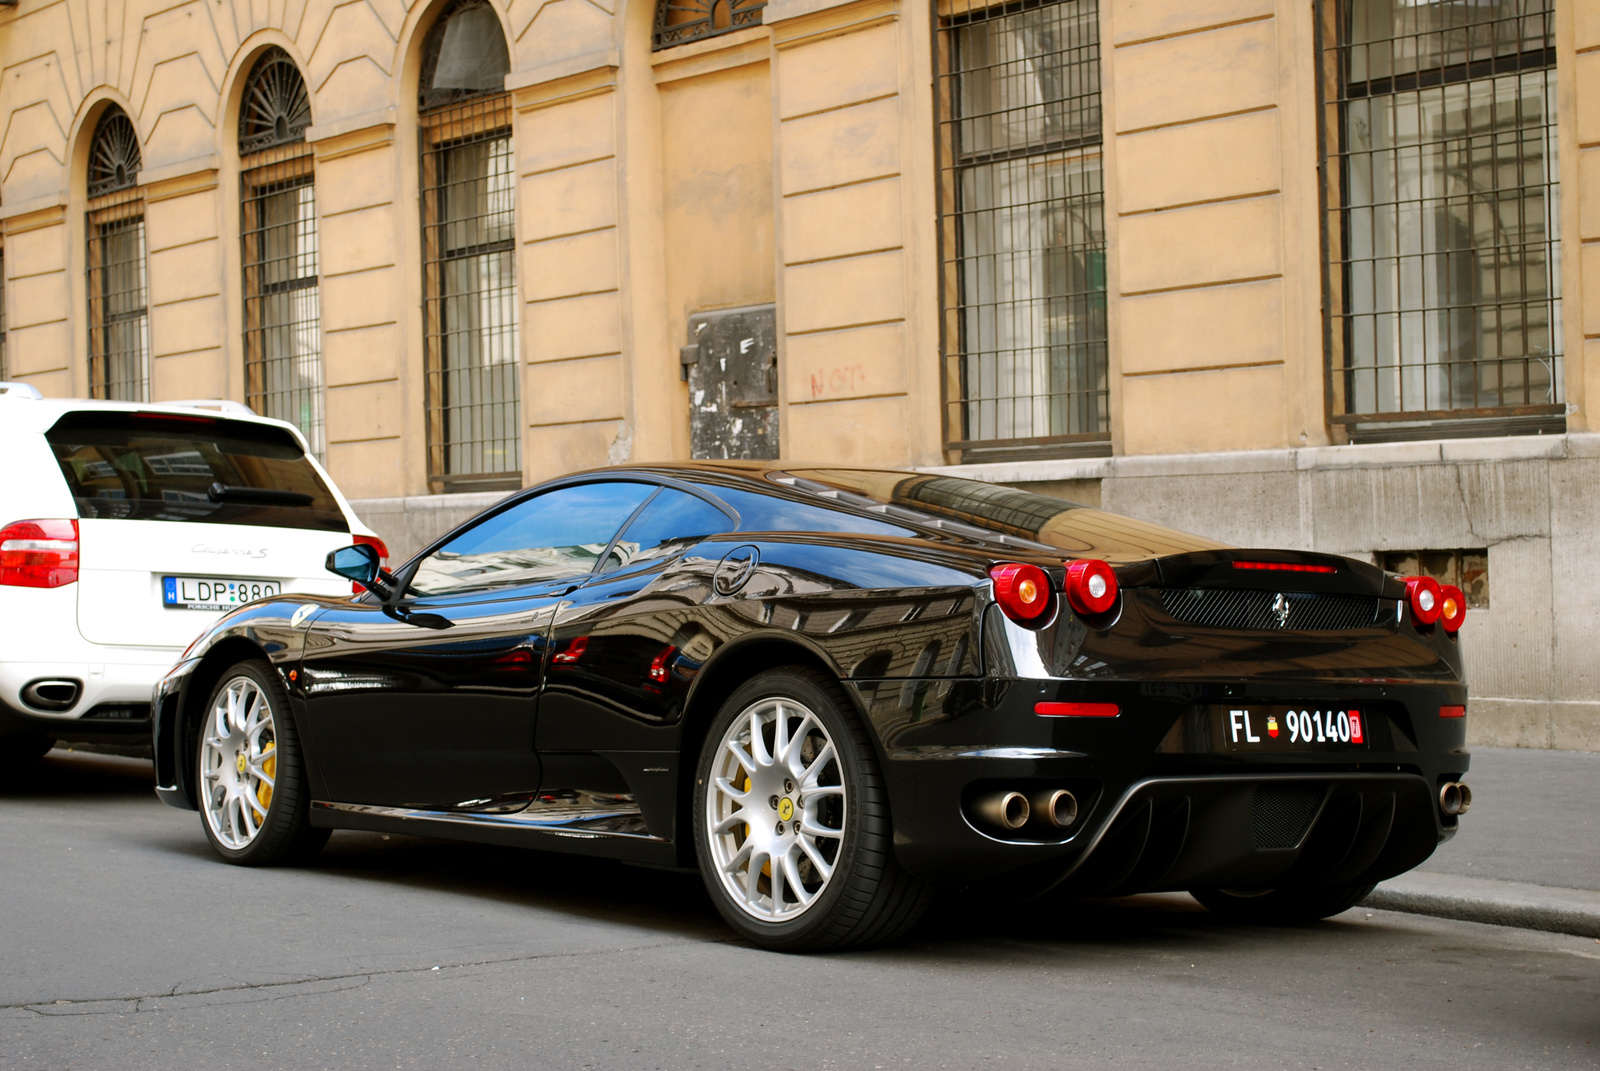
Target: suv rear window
[{"x": 159, "y": 467}]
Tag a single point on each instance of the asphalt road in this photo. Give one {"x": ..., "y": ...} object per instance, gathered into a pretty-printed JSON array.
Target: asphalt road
[{"x": 125, "y": 944}]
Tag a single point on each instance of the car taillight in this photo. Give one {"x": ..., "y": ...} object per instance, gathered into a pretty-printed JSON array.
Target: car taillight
[
  {"x": 1452, "y": 608},
  {"x": 383, "y": 557},
  {"x": 1453, "y": 712},
  {"x": 39, "y": 553},
  {"x": 1023, "y": 591},
  {"x": 1426, "y": 599},
  {"x": 661, "y": 665},
  {"x": 1091, "y": 586}
]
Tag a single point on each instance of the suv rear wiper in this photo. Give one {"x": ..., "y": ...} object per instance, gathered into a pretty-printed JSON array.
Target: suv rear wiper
[{"x": 263, "y": 496}]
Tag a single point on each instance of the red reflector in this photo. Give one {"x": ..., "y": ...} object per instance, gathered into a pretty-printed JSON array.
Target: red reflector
[
  {"x": 1076, "y": 710},
  {"x": 1287, "y": 567},
  {"x": 1452, "y": 712},
  {"x": 39, "y": 554}
]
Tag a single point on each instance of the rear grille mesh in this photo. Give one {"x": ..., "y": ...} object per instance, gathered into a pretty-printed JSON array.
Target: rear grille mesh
[
  {"x": 1270, "y": 610},
  {"x": 1279, "y": 814}
]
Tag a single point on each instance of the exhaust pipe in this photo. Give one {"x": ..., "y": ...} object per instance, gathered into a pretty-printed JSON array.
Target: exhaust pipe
[
  {"x": 1058, "y": 807},
  {"x": 1007, "y": 810},
  {"x": 51, "y": 693},
  {"x": 1455, "y": 798}
]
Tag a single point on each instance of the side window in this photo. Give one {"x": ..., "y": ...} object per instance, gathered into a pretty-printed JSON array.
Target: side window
[
  {"x": 672, "y": 519},
  {"x": 556, "y": 536}
]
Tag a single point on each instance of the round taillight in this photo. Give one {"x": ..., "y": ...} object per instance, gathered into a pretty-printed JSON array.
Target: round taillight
[
  {"x": 1452, "y": 608},
  {"x": 1091, "y": 586},
  {"x": 1426, "y": 599},
  {"x": 1023, "y": 591}
]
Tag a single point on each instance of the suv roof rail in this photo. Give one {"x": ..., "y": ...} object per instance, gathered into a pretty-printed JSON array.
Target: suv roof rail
[
  {"x": 221, "y": 405},
  {"x": 21, "y": 390}
]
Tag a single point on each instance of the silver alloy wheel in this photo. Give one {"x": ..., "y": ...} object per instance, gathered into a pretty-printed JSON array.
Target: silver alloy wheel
[
  {"x": 238, "y": 763},
  {"x": 775, "y": 809}
]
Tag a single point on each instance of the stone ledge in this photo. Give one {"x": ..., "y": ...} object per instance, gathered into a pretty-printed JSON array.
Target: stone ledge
[{"x": 1302, "y": 459}]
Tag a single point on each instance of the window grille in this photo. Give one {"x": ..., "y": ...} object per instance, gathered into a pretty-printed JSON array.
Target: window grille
[
  {"x": 681, "y": 21},
  {"x": 469, "y": 256},
  {"x": 119, "y": 326},
  {"x": 1443, "y": 273},
  {"x": 282, "y": 310},
  {"x": 1022, "y": 234}
]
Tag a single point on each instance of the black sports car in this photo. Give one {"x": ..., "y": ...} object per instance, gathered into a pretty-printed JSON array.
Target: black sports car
[{"x": 831, "y": 689}]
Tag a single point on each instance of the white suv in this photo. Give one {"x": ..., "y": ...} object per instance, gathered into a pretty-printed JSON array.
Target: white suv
[{"x": 124, "y": 531}]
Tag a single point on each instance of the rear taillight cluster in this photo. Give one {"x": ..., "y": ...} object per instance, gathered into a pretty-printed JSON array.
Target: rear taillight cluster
[
  {"x": 383, "y": 557},
  {"x": 1435, "y": 603},
  {"x": 39, "y": 553},
  {"x": 1024, "y": 594}
]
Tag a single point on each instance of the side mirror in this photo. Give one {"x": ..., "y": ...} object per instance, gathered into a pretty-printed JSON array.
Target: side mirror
[{"x": 358, "y": 563}]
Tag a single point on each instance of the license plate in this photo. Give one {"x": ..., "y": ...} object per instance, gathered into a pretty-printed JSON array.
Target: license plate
[
  {"x": 214, "y": 592},
  {"x": 1291, "y": 728}
]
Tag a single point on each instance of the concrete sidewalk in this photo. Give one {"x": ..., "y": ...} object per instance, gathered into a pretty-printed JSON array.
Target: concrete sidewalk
[{"x": 1528, "y": 853}]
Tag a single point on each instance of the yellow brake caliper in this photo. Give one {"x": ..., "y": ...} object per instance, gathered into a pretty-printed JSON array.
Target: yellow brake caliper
[{"x": 269, "y": 766}]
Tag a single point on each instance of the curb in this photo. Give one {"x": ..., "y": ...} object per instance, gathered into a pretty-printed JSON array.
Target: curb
[{"x": 1497, "y": 903}]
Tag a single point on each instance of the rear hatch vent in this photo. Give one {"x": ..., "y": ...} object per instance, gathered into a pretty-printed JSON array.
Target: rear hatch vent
[{"x": 1275, "y": 611}]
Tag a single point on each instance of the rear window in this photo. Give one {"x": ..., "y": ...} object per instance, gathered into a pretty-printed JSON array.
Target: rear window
[{"x": 155, "y": 467}]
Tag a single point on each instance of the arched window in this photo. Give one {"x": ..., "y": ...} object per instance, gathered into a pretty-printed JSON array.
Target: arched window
[
  {"x": 282, "y": 310},
  {"x": 679, "y": 21},
  {"x": 469, "y": 253},
  {"x": 119, "y": 326}
]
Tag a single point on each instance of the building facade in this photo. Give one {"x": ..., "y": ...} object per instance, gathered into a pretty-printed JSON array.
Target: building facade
[{"x": 1321, "y": 274}]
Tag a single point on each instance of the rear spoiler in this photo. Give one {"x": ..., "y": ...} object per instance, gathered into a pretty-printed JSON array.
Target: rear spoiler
[{"x": 21, "y": 390}]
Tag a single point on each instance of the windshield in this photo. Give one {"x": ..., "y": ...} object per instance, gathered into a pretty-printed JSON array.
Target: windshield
[{"x": 160, "y": 467}]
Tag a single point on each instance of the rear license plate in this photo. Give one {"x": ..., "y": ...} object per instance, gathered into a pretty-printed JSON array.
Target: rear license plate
[
  {"x": 1286, "y": 728},
  {"x": 214, "y": 592}
]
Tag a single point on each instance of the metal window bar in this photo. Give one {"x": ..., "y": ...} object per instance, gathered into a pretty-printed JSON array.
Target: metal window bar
[
  {"x": 282, "y": 309},
  {"x": 1023, "y": 248},
  {"x": 5, "y": 364},
  {"x": 119, "y": 326},
  {"x": 1442, "y": 224},
  {"x": 470, "y": 304},
  {"x": 681, "y": 21}
]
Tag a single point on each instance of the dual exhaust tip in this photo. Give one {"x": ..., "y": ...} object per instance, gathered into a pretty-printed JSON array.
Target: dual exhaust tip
[
  {"x": 1011, "y": 810},
  {"x": 1455, "y": 798}
]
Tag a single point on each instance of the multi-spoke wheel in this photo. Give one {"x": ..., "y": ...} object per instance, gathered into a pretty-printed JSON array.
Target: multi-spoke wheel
[
  {"x": 252, "y": 800},
  {"x": 792, "y": 823}
]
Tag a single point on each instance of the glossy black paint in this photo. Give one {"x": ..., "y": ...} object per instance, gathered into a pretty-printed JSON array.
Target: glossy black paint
[{"x": 570, "y": 714}]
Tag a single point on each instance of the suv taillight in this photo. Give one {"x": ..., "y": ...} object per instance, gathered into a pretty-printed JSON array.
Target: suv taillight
[
  {"x": 383, "y": 557},
  {"x": 39, "y": 553}
]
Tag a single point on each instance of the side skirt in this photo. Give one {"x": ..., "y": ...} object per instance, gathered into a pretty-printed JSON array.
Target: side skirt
[{"x": 507, "y": 830}]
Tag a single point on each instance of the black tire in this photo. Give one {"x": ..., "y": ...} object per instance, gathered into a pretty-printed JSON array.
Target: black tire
[
  {"x": 23, "y": 749},
  {"x": 869, "y": 899},
  {"x": 284, "y": 833},
  {"x": 1282, "y": 907}
]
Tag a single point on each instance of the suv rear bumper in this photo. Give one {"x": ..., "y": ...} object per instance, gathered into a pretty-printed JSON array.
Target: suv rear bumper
[{"x": 113, "y": 699}]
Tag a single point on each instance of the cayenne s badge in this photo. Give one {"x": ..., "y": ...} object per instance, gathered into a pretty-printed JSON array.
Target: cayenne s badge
[{"x": 1280, "y": 609}]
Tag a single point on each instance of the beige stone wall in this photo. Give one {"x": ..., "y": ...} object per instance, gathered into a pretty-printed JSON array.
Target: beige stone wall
[{"x": 791, "y": 162}]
